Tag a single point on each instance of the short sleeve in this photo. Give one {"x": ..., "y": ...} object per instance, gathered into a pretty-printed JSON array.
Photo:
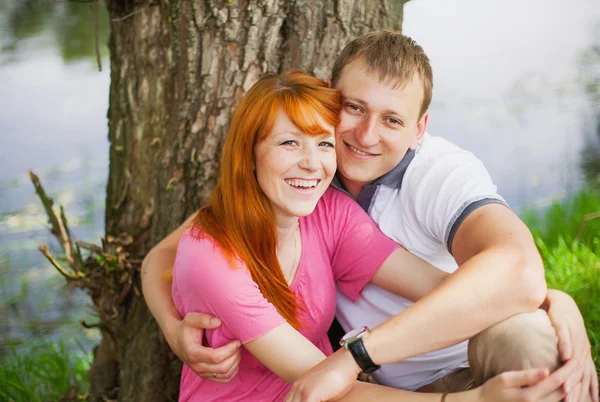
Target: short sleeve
[
  {"x": 448, "y": 188},
  {"x": 360, "y": 248},
  {"x": 205, "y": 281}
]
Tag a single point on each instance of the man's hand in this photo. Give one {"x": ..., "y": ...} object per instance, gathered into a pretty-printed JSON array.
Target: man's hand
[
  {"x": 573, "y": 342},
  {"x": 529, "y": 385},
  {"x": 220, "y": 365},
  {"x": 329, "y": 380}
]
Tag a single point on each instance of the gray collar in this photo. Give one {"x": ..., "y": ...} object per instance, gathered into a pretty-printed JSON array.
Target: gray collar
[{"x": 392, "y": 179}]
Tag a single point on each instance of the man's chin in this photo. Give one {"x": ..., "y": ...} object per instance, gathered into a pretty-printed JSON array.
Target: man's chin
[{"x": 356, "y": 175}]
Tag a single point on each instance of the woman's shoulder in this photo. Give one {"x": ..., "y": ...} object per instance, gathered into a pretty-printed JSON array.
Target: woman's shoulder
[
  {"x": 198, "y": 253},
  {"x": 334, "y": 198}
]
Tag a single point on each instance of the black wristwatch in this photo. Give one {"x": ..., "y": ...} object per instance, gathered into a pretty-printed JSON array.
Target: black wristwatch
[{"x": 353, "y": 341}]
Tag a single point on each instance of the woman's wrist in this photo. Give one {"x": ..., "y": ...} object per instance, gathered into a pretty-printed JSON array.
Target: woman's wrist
[{"x": 472, "y": 395}]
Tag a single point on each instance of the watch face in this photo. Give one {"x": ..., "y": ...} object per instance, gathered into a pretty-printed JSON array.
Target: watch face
[{"x": 355, "y": 333}]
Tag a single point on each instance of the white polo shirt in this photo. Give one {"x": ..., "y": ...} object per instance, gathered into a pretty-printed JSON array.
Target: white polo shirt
[{"x": 420, "y": 204}]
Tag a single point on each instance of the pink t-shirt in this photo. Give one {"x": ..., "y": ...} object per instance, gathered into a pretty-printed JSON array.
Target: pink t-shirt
[{"x": 341, "y": 246}]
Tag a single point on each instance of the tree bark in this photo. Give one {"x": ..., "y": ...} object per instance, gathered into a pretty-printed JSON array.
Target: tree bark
[{"x": 178, "y": 69}]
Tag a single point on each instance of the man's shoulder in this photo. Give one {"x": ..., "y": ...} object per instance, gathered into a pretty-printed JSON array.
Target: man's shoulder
[
  {"x": 438, "y": 158},
  {"x": 437, "y": 150}
]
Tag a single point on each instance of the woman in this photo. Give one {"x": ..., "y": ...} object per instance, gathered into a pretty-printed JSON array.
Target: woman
[{"x": 267, "y": 252}]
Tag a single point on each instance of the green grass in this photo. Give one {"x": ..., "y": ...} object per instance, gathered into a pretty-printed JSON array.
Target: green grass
[
  {"x": 573, "y": 265},
  {"x": 562, "y": 219},
  {"x": 42, "y": 372}
]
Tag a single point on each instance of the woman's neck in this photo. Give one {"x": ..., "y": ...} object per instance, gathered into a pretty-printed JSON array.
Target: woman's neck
[{"x": 286, "y": 228}]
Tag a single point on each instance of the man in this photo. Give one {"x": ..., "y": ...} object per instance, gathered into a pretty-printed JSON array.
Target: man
[{"x": 439, "y": 202}]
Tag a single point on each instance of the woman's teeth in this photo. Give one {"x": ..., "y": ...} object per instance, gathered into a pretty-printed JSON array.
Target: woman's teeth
[{"x": 302, "y": 183}]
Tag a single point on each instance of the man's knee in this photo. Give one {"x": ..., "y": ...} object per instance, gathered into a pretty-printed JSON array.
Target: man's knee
[{"x": 521, "y": 342}]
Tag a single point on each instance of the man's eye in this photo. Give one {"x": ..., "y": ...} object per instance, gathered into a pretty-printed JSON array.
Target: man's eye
[
  {"x": 353, "y": 107},
  {"x": 395, "y": 122}
]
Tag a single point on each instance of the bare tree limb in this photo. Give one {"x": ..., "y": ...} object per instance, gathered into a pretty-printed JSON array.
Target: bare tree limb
[
  {"x": 64, "y": 237},
  {"x": 90, "y": 247},
  {"x": 47, "y": 202},
  {"x": 584, "y": 221},
  {"x": 96, "y": 45},
  {"x": 44, "y": 249}
]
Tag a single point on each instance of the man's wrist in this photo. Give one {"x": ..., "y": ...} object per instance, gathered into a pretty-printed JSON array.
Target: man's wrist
[
  {"x": 354, "y": 342},
  {"x": 168, "y": 326}
]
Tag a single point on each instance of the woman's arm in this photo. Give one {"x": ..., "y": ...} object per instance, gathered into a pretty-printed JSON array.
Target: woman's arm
[{"x": 289, "y": 355}]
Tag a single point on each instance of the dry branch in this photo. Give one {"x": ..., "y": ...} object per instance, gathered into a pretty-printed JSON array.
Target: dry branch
[
  {"x": 60, "y": 229},
  {"x": 584, "y": 221},
  {"x": 53, "y": 261}
]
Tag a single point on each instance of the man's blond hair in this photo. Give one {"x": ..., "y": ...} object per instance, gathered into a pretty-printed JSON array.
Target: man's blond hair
[{"x": 392, "y": 57}]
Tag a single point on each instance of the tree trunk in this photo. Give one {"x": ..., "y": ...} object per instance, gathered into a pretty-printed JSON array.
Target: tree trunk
[{"x": 178, "y": 69}]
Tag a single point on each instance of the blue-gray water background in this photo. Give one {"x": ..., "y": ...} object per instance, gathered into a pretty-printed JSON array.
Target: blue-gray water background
[{"x": 509, "y": 86}]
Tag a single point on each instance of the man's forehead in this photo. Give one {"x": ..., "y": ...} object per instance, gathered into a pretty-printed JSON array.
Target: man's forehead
[{"x": 390, "y": 96}]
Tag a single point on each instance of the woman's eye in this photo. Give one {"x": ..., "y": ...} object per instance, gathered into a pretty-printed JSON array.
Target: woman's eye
[
  {"x": 327, "y": 144},
  {"x": 290, "y": 142}
]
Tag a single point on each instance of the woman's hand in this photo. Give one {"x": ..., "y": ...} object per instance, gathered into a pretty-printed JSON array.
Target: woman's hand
[
  {"x": 220, "y": 364},
  {"x": 530, "y": 385}
]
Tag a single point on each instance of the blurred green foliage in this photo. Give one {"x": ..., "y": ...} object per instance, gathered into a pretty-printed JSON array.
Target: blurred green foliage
[
  {"x": 67, "y": 26},
  {"x": 573, "y": 265},
  {"x": 43, "y": 371}
]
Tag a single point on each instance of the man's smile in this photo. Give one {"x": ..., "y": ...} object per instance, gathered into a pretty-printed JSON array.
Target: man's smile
[{"x": 358, "y": 151}]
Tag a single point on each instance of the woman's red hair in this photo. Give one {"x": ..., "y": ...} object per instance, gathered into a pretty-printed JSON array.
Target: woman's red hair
[{"x": 239, "y": 216}]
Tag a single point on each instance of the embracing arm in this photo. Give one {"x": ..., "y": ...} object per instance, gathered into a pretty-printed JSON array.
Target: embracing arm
[
  {"x": 500, "y": 274},
  {"x": 155, "y": 286},
  {"x": 184, "y": 336}
]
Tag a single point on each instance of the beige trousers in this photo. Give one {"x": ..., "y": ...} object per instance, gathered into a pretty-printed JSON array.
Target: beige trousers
[{"x": 521, "y": 342}]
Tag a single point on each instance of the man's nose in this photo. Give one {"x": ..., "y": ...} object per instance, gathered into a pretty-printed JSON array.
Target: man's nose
[{"x": 367, "y": 135}]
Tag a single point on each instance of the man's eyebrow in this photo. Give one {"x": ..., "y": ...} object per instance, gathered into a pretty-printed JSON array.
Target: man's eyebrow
[
  {"x": 393, "y": 113},
  {"x": 355, "y": 100},
  {"x": 365, "y": 104}
]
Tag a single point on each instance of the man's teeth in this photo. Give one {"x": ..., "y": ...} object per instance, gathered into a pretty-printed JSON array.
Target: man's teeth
[
  {"x": 358, "y": 151},
  {"x": 302, "y": 183}
]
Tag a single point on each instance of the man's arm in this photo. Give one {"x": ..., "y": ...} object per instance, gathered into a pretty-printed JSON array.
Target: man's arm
[
  {"x": 156, "y": 287},
  {"x": 184, "y": 336},
  {"x": 500, "y": 274}
]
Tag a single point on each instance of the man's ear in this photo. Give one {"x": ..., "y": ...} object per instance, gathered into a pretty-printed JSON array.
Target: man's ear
[{"x": 421, "y": 127}]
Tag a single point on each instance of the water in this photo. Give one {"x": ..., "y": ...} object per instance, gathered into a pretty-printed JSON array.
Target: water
[
  {"x": 509, "y": 85},
  {"x": 53, "y": 105}
]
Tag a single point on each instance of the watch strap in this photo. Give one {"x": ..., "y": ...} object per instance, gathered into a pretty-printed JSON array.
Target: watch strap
[{"x": 361, "y": 356}]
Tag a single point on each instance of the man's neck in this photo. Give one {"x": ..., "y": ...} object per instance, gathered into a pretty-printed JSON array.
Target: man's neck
[{"x": 353, "y": 187}]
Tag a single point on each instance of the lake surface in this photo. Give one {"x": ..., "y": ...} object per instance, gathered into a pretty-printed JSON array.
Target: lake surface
[{"x": 509, "y": 82}]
